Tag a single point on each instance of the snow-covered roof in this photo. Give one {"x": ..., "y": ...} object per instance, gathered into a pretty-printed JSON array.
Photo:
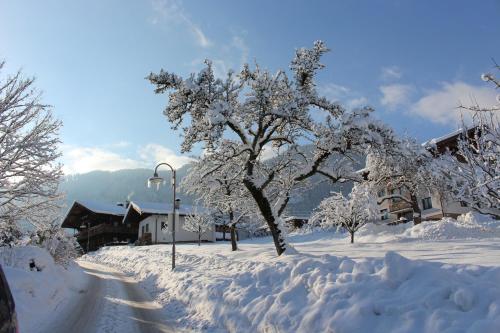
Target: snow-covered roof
[
  {"x": 139, "y": 210},
  {"x": 162, "y": 208},
  {"x": 102, "y": 208},
  {"x": 297, "y": 217},
  {"x": 79, "y": 208},
  {"x": 450, "y": 135}
]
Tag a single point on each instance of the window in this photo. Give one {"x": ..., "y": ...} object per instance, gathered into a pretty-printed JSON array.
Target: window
[
  {"x": 381, "y": 193},
  {"x": 385, "y": 214},
  {"x": 463, "y": 204},
  {"x": 164, "y": 226},
  {"x": 147, "y": 227},
  {"x": 427, "y": 203},
  {"x": 395, "y": 192},
  {"x": 142, "y": 230}
]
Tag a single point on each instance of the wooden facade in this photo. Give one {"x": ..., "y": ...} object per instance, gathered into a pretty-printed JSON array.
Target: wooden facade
[{"x": 99, "y": 225}]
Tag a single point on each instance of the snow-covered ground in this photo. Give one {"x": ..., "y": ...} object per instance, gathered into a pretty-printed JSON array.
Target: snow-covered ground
[
  {"x": 39, "y": 295},
  {"x": 330, "y": 285}
]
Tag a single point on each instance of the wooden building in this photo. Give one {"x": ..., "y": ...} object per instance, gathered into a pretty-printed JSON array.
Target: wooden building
[{"x": 98, "y": 224}]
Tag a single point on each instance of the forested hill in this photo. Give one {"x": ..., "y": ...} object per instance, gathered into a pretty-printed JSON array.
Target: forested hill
[
  {"x": 121, "y": 185},
  {"x": 118, "y": 186}
]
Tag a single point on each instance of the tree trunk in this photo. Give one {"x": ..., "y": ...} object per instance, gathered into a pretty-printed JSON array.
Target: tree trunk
[
  {"x": 234, "y": 245},
  {"x": 267, "y": 213},
  {"x": 352, "y": 237},
  {"x": 232, "y": 227},
  {"x": 417, "y": 213},
  {"x": 199, "y": 236}
]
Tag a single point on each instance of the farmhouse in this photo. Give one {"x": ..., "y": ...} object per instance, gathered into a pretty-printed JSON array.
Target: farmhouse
[
  {"x": 98, "y": 224},
  {"x": 153, "y": 222}
]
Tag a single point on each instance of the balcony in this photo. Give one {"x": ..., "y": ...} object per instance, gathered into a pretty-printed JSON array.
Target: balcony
[
  {"x": 398, "y": 206},
  {"x": 106, "y": 229}
]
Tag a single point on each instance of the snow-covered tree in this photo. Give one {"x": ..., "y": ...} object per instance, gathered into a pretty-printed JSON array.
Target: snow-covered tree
[
  {"x": 218, "y": 184},
  {"x": 57, "y": 242},
  {"x": 473, "y": 169},
  {"x": 29, "y": 171},
  {"x": 349, "y": 212},
  {"x": 10, "y": 234},
  {"x": 199, "y": 223},
  {"x": 261, "y": 113}
]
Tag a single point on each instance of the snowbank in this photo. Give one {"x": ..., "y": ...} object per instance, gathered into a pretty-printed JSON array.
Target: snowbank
[
  {"x": 468, "y": 226},
  {"x": 38, "y": 294},
  {"x": 249, "y": 291}
]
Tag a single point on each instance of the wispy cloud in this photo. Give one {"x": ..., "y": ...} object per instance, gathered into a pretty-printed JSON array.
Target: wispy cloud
[
  {"x": 343, "y": 94},
  {"x": 157, "y": 153},
  {"x": 440, "y": 106},
  {"x": 391, "y": 73},
  {"x": 230, "y": 55},
  {"x": 395, "y": 95},
  {"x": 172, "y": 11},
  {"x": 78, "y": 159}
]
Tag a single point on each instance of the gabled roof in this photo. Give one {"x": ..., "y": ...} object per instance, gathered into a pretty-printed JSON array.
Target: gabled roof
[
  {"x": 137, "y": 210},
  {"x": 72, "y": 219},
  {"x": 162, "y": 208}
]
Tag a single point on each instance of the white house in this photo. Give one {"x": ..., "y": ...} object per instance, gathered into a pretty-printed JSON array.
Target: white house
[
  {"x": 431, "y": 204},
  {"x": 155, "y": 221}
]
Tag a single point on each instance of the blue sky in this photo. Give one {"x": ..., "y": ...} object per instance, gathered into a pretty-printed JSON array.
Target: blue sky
[{"x": 414, "y": 61}]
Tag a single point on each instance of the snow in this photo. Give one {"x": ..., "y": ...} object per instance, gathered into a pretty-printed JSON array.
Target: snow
[
  {"x": 434, "y": 141},
  {"x": 467, "y": 226},
  {"x": 102, "y": 208},
  {"x": 39, "y": 295},
  {"x": 162, "y": 208},
  {"x": 372, "y": 289}
]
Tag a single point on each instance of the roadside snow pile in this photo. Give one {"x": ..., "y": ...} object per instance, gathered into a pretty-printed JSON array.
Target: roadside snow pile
[
  {"x": 468, "y": 226},
  {"x": 252, "y": 292},
  {"x": 41, "y": 290}
]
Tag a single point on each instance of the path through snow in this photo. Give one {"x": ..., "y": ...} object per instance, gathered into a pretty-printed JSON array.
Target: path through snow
[{"x": 112, "y": 302}]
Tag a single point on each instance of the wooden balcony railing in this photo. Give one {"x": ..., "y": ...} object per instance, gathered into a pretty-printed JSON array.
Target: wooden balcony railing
[{"x": 105, "y": 228}]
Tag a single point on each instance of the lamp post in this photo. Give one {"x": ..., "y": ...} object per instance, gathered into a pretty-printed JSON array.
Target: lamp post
[{"x": 157, "y": 180}]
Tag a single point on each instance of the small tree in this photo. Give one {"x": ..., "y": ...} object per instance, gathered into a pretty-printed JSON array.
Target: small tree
[
  {"x": 218, "y": 184},
  {"x": 61, "y": 246},
  {"x": 257, "y": 112},
  {"x": 198, "y": 223},
  {"x": 10, "y": 234},
  {"x": 29, "y": 171},
  {"x": 349, "y": 213}
]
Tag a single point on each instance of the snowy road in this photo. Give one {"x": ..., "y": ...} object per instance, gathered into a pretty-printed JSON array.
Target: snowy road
[{"x": 112, "y": 302}]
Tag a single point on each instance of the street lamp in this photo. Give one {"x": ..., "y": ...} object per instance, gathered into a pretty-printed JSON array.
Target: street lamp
[{"x": 157, "y": 180}]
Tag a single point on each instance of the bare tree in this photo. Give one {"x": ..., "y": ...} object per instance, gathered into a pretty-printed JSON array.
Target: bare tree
[
  {"x": 261, "y": 112},
  {"x": 29, "y": 171}
]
